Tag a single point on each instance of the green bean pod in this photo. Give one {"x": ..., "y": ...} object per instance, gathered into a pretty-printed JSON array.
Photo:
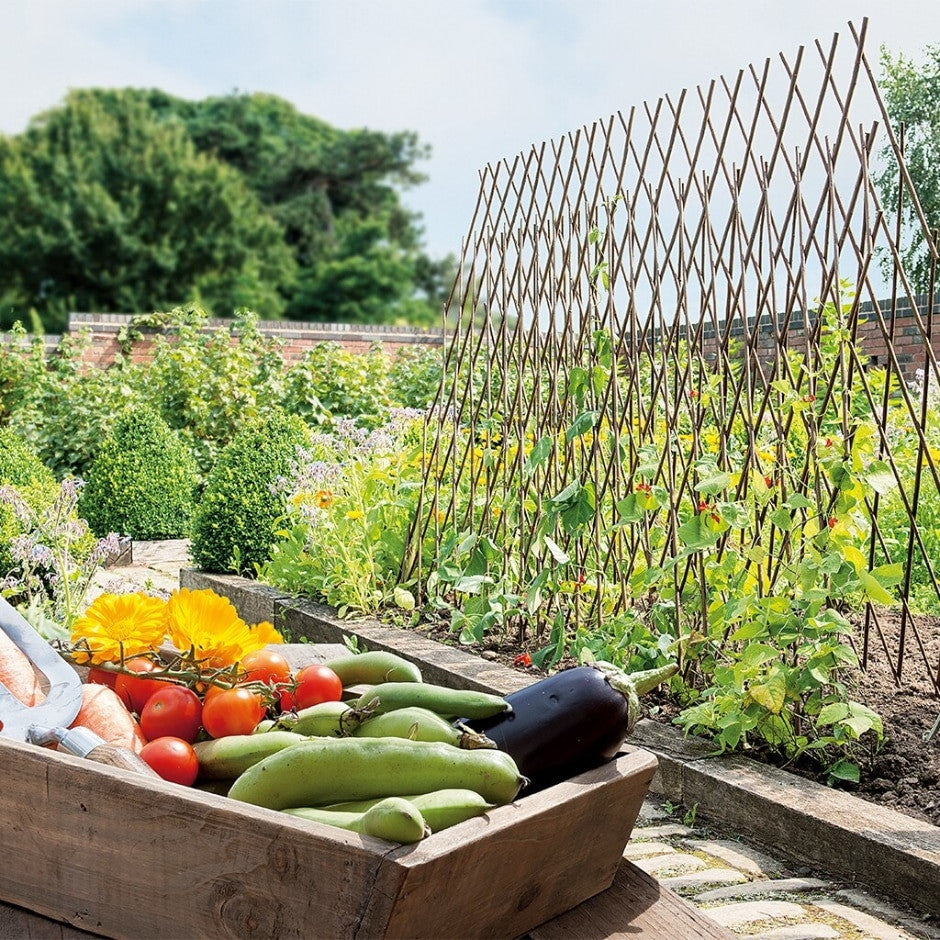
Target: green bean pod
[
  {"x": 373, "y": 667},
  {"x": 392, "y": 819},
  {"x": 440, "y": 808},
  {"x": 452, "y": 703},
  {"x": 327, "y": 719},
  {"x": 331, "y": 770},
  {"x": 226, "y": 758},
  {"x": 420, "y": 724}
]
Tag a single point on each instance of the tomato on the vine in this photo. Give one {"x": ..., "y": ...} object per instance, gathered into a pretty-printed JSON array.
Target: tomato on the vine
[
  {"x": 267, "y": 666},
  {"x": 232, "y": 711},
  {"x": 98, "y": 676},
  {"x": 134, "y": 690},
  {"x": 173, "y": 711},
  {"x": 173, "y": 759},
  {"x": 311, "y": 686}
]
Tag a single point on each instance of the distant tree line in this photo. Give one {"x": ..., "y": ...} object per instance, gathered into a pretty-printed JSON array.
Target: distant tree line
[{"x": 134, "y": 200}]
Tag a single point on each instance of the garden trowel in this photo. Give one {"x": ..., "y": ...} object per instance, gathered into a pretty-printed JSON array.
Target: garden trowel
[{"x": 48, "y": 722}]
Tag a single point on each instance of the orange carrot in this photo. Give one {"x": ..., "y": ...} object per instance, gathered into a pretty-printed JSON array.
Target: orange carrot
[
  {"x": 104, "y": 713},
  {"x": 17, "y": 673}
]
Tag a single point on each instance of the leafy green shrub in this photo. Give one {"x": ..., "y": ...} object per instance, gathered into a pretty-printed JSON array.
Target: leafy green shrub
[
  {"x": 142, "y": 481},
  {"x": 415, "y": 375},
  {"x": 67, "y": 408},
  {"x": 35, "y": 483},
  {"x": 208, "y": 383},
  {"x": 346, "y": 384},
  {"x": 233, "y": 527}
]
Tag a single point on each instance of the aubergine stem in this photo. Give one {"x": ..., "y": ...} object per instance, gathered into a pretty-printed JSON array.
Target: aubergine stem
[{"x": 633, "y": 685}]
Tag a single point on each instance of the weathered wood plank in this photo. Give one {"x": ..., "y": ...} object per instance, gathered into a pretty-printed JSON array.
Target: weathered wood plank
[
  {"x": 500, "y": 874},
  {"x": 635, "y": 905}
]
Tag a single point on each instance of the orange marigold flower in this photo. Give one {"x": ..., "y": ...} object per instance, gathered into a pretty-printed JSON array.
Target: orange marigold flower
[
  {"x": 207, "y": 626},
  {"x": 324, "y": 498},
  {"x": 119, "y": 624}
]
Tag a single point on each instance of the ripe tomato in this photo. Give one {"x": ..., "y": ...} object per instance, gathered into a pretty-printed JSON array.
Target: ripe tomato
[
  {"x": 135, "y": 691},
  {"x": 312, "y": 685},
  {"x": 173, "y": 711},
  {"x": 232, "y": 711},
  {"x": 266, "y": 666},
  {"x": 173, "y": 759},
  {"x": 97, "y": 676}
]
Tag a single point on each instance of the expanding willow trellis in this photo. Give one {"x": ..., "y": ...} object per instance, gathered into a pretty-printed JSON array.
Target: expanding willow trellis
[{"x": 642, "y": 293}]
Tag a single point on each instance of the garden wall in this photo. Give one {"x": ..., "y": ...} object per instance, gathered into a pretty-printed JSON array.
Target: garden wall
[{"x": 297, "y": 337}]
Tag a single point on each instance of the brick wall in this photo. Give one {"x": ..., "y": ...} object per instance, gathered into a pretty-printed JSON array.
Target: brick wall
[
  {"x": 296, "y": 337},
  {"x": 909, "y": 343}
]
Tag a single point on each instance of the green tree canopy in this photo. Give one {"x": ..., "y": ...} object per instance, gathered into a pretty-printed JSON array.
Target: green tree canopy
[
  {"x": 106, "y": 207},
  {"x": 912, "y": 96},
  {"x": 134, "y": 200}
]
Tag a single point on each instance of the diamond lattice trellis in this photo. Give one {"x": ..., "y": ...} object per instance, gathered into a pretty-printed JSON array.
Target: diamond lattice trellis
[{"x": 677, "y": 292}]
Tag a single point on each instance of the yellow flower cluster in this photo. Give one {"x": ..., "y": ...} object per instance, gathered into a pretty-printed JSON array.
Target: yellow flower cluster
[{"x": 202, "y": 625}]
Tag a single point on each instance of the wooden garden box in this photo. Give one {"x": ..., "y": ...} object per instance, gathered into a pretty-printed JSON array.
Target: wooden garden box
[{"x": 121, "y": 856}]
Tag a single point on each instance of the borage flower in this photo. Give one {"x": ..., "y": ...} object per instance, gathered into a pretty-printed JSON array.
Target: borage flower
[
  {"x": 206, "y": 626},
  {"x": 116, "y": 624}
]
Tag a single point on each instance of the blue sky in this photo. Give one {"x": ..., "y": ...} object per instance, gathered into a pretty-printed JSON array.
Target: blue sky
[{"x": 479, "y": 80}]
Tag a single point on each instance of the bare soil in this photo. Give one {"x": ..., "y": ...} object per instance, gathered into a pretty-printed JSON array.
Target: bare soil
[{"x": 904, "y": 773}]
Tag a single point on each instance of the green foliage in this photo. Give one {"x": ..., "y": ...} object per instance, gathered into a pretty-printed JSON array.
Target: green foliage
[
  {"x": 328, "y": 380},
  {"x": 109, "y": 208},
  {"x": 33, "y": 481},
  {"x": 207, "y": 383},
  {"x": 133, "y": 200},
  {"x": 415, "y": 375},
  {"x": 912, "y": 95},
  {"x": 350, "y": 502},
  {"x": 65, "y": 409},
  {"x": 233, "y": 526},
  {"x": 55, "y": 557},
  {"x": 142, "y": 481}
]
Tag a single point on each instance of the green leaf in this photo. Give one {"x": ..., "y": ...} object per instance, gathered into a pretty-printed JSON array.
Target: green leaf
[
  {"x": 880, "y": 477},
  {"x": 556, "y": 551},
  {"x": 875, "y": 591},
  {"x": 714, "y": 484},
  {"x": 782, "y": 519},
  {"x": 772, "y": 693},
  {"x": 629, "y": 509},
  {"x": 472, "y": 584},
  {"x": 844, "y": 770},
  {"x": 404, "y": 599},
  {"x": 582, "y": 424},
  {"x": 540, "y": 452},
  {"x": 696, "y": 535}
]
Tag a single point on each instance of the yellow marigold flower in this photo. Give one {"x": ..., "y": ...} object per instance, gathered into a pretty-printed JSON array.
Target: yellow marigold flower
[
  {"x": 120, "y": 623},
  {"x": 324, "y": 498},
  {"x": 208, "y": 625},
  {"x": 264, "y": 632},
  {"x": 354, "y": 514}
]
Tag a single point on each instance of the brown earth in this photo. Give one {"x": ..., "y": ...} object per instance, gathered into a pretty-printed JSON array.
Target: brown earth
[{"x": 904, "y": 773}]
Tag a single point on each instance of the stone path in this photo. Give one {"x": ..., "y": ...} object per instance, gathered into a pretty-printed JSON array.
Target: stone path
[
  {"x": 752, "y": 893},
  {"x": 755, "y": 894}
]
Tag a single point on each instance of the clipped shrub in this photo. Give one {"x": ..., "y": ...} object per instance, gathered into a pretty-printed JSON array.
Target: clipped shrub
[
  {"x": 142, "y": 481},
  {"x": 233, "y": 527},
  {"x": 33, "y": 480}
]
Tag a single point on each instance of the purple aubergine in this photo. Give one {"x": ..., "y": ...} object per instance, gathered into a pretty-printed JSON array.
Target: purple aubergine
[{"x": 571, "y": 721}]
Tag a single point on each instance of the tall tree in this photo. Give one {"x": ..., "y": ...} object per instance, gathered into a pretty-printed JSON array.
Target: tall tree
[
  {"x": 912, "y": 96},
  {"x": 108, "y": 207}
]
